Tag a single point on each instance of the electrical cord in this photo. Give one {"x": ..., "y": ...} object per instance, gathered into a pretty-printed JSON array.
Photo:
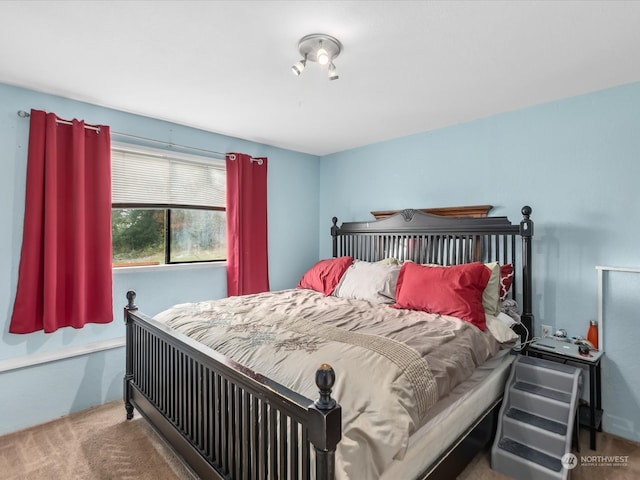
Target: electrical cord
[{"x": 522, "y": 345}]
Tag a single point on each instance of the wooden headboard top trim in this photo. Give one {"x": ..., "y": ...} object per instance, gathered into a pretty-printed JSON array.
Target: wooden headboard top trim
[{"x": 463, "y": 211}]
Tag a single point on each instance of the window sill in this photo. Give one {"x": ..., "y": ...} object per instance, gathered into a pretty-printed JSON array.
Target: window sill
[{"x": 170, "y": 267}]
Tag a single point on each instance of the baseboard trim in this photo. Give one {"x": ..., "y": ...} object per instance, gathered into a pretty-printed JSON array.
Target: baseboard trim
[{"x": 60, "y": 354}]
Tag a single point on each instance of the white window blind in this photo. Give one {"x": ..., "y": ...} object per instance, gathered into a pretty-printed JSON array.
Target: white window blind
[{"x": 150, "y": 176}]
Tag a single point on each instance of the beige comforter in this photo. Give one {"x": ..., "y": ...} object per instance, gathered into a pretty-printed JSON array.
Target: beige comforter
[{"x": 391, "y": 365}]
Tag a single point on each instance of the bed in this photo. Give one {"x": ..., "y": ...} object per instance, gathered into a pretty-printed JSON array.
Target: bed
[{"x": 231, "y": 406}]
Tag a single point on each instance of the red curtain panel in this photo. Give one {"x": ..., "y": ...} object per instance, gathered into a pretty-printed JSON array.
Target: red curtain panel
[
  {"x": 65, "y": 275},
  {"x": 247, "y": 257}
]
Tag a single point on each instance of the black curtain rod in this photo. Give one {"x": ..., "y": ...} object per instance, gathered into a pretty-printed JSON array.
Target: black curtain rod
[{"x": 23, "y": 114}]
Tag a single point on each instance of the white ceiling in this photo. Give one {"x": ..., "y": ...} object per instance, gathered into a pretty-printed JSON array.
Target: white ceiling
[{"x": 406, "y": 67}]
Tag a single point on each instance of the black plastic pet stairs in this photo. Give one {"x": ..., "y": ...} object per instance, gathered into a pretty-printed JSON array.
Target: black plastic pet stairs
[{"x": 536, "y": 420}]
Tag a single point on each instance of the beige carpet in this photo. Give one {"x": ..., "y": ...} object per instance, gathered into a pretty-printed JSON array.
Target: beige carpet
[
  {"x": 101, "y": 444},
  {"x": 98, "y": 443}
]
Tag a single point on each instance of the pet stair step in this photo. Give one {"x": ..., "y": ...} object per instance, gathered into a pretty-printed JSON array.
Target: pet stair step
[
  {"x": 537, "y": 421},
  {"x": 540, "y": 405},
  {"x": 543, "y": 391},
  {"x": 532, "y": 435},
  {"x": 553, "y": 375},
  {"x": 548, "y": 364},
  {"x": 530, "y": 454}
]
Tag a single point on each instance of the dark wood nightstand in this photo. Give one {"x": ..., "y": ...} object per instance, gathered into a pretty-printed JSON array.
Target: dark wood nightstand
[{"x": 567, "y": 352}]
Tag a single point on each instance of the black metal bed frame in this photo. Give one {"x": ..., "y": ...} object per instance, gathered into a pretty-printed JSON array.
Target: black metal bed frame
[{"x": 227, "y": 421}]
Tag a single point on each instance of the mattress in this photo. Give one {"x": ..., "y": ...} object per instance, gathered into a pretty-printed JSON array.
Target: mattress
[{"x": 452, "y": 416}]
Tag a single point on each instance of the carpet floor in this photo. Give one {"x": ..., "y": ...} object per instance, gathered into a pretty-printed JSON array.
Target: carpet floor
[{"x": 100, "y": 444}]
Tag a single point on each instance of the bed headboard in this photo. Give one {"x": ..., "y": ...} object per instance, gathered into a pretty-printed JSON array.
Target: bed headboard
[{"x": 425, "y": 238}]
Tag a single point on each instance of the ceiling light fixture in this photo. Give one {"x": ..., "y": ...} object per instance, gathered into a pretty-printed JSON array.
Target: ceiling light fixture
[{"x": 319, "y": 48}]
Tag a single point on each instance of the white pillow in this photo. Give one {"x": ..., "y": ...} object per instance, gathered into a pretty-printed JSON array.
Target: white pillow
[
  {"x": 375, "y": 282},
  {"x": 501, "y": 330}
]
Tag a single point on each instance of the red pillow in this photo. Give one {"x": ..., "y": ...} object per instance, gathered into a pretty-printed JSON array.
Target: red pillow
[
  {"x": 506, "y": 279},
  {"x": 325, "y": 275},
  {"x": 455, "y": 290}
]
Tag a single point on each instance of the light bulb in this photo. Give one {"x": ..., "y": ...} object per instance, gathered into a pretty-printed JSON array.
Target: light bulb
[{"x": 322, "y": 56}]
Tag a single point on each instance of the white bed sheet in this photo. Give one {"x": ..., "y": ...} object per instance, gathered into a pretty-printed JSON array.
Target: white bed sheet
[{"x": 449, "y": 418}]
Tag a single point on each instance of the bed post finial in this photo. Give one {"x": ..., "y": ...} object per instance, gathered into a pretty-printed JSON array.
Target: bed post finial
[
  {"x": 131, "y": 298},
  {"x": 526, "y": 213},
  {"x": 334, "y": 235},
  {"x": 325, "y": 378}
]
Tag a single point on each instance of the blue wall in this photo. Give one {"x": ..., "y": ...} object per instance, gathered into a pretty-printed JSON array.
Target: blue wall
[
  {"x": 576, "y": 162},
  {"x": 36, "y": 394}
]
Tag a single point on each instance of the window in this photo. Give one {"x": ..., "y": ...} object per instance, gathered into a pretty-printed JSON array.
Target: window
[{"x": 167, "y": 207}]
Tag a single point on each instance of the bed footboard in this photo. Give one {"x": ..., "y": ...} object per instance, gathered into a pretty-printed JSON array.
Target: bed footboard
[{"x": 223, "y": 419}]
